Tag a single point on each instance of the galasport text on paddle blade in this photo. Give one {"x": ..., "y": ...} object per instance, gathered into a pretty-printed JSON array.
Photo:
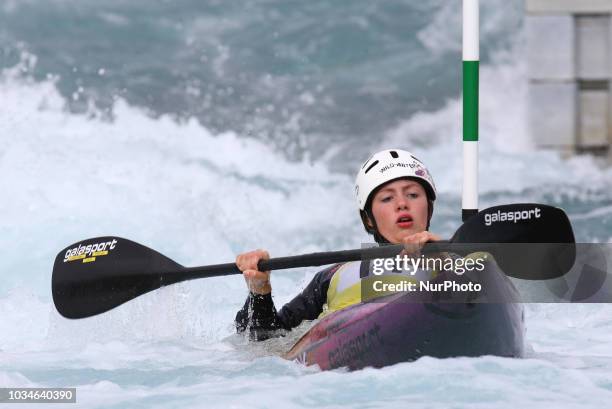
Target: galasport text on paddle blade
[
  {"x": 548, "y": 228},
  {"x": 98, "y": 274}
]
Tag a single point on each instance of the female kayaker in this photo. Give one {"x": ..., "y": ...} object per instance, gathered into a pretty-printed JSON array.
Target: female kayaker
[{"x": 396, "y": 195}]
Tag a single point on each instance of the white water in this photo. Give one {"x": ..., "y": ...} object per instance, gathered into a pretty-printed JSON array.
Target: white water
[{"x": 202, "y": 198}]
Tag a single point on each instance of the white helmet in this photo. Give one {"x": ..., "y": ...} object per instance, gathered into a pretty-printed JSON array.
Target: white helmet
[{"x": 388, "y": 165}]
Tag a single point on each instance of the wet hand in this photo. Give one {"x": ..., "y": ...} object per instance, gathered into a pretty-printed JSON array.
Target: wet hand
[
  {"x": 257, "y": 281},
  {"x": 415, "y": 242}
]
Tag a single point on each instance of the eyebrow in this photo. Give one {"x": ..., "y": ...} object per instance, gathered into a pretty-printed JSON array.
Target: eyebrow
[{"x": 388, "y": 189}]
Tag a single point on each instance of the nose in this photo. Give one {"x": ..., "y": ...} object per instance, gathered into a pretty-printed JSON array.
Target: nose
[{"x": 401, "y": 203}]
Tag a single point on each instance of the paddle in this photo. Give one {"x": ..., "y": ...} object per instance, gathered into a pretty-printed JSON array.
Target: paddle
[{"x": 96, "y": 275}]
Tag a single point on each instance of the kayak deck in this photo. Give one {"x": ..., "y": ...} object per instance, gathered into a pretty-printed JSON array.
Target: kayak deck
[{"x": 398, "y": 328}]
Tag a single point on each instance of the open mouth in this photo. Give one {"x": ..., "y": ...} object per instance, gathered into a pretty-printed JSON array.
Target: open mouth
[{"x": 404, "y": 221}]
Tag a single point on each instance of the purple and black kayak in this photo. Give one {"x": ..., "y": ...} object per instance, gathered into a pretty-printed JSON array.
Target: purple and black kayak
[{"x": 397, "y": 328}]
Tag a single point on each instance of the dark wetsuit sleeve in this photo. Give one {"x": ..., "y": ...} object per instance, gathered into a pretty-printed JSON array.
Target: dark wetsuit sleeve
[{"x": 261, "y": 318}]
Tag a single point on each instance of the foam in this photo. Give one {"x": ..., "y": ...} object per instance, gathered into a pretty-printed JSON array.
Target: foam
[{"x": 201, "y": 198}]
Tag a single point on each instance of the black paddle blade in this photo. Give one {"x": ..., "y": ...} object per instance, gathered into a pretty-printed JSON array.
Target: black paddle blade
[
  {"x": 96, "y": 275},
  {"x": 528, "y": 240}
]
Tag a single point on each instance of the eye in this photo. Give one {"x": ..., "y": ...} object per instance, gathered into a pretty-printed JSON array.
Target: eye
[
  {"x": 385, "y": 199},
  {"x": 413, "y": 195}
]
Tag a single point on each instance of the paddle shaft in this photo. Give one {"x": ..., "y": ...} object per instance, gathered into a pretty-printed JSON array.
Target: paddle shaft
[{"x": 304, "y": 260}]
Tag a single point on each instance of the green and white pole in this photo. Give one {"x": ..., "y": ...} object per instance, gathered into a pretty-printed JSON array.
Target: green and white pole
[{"x": 470, "y": 108}]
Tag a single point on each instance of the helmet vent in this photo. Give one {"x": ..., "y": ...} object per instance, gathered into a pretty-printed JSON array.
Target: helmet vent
[
  {"x": 371, "y": 166},
  {"x": 394, "y": 154},
  {"x": 366, "y": 162}
]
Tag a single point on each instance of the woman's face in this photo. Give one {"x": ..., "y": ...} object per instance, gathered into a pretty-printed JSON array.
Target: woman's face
[{"x": 400, "y": 209}]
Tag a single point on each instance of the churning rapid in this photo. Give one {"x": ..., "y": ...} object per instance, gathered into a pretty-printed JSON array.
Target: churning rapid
[{"x": 204, "y": 129}]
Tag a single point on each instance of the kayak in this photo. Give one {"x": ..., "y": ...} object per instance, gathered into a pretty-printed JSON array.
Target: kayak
[{"x": 402, "y": 326}]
